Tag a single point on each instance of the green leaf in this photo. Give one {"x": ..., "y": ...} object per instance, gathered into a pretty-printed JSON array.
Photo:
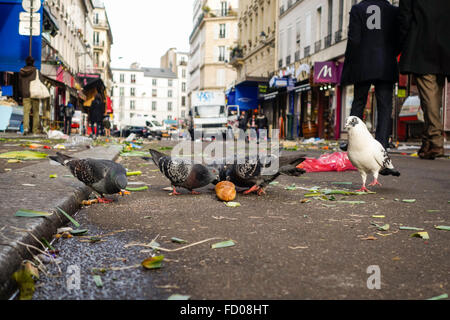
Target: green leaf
[
  {"x": 411, "y": 228},
  {"x": 178, "y": 240},
  {"x": 47, "y": 244},
  {"x": 424, "y": 235},
  {"x": 31, "y": 214},
  {"x": 25, "y": 282},
  {"x": 223, "y": 244},
  {"x": 409, "y": 200},
  {"x": 74, "y": 222},
  {"x": 79, "y": 232},
  {"x": 137, "y": 189},
  {"x": 446, "y": 228},
  {"x": 153, "y": 262},
  {"x": 98, "y": 281},
  {"x": 232, "y": 204},
  {"x": 178, "y": 297},
  {"x": 23, "y": 155},
  {"x": 274, "y": 183},
  {"x": 291, "y": 187},
  {"x": 384, "y": 228},
  {"x": 53, "y": 176},
  {"x": 352, "y": 202},
  {"x": 442, "y": 296},
  {"x": 134, "y": 173},
  {"x": 378, "y": 217},
  {"x": 433, "y": 211}
]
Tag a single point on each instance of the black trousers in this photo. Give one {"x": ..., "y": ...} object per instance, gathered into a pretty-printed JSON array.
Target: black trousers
[
  {"x": 383, "y": 94},
  {"x": 67, "y": 125}
]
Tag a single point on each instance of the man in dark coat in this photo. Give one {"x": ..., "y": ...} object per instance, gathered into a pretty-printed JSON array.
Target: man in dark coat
[
  {"x": 26, "y": 75},
  {"x": 242, "y": 124},
  {"x": 96, "y": 114},
  {"x": 425, "y": 43},
  {"x": 370, "y": 58}
]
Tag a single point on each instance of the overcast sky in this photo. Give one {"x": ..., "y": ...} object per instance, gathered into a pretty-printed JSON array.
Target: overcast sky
[{"x": 143, "y": 30}]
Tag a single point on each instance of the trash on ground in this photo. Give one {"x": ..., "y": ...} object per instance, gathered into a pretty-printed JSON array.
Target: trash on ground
[
  {"x": 137, "y": 189},
  {"x": 369, "y": 238},
  {"x": 31, "y": 213},
  {"x": 381, "y": 228},
  {"x": 98, "y": 281},
  {"x": 232, "y": 204},
  {"x": 178, "y": 240},
  {"x": 442, "y": 296},
  {"x": 74, "y": 222},
  {"x": 153, "y": 262},
  {"x": 53, "y": 176},
  {"x": 337, "y": 161},
  {"x": 378, "y": 217},
  {"x": 291, "y": 187},
  {"x": 47, "y": 244},
  {"x": 409, "y": 200},
  {"x": 178, "y": 297},
  {"x": 78, "y": 232},
  {"x": 424, "y": 235},
  {"x": 25, "y": 281},
  {"x": 411, "y": 228},
  {"x": 23, "y": 155},
  {"x": 446, "y": 228},
  {"x": 134, "y": 173},
  {"x": 223, "y": 244}
]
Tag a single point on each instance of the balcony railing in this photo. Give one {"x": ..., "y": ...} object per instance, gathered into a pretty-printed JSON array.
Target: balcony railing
[
  {"x": 338, "y": 36},
  {"x": 297, "y": 55},
  {"x": 317, "y": 46},
  {"x": 327, "y": 41},
  {"x": 307, "y": 51}
]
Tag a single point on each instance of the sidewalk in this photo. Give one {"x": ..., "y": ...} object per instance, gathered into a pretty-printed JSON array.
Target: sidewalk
[{"x": 46, "y": 195}]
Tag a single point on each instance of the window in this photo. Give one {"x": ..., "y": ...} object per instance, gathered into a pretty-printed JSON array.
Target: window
[
  {"x": 183, "y": 87},
  {"x": 96, "y": 58},
  {"x": 222, "y": 53},
  {"x": 96, "y": 38},
  {"x": 224, "y": 8},
  {"x": 183, "y": 113},
  {"x": 131, "y": 115},
  {"x": 96, "y": 20},
  {"x": 170, "y": 83},
  {"x": 154, "y": 82},
  {"x": 132, "y": 105},
  {"x": 154, "y": 93},
  {"x": 330, "y": 16},
  {"x": 133, "y": 92},
  {"x": 222, "y": 31},
  {"x": 153, "y": 105},
  {"x": 183, "y": 101},
  {"x": 169, "y": 106},
  {"x": 169, "y": 93},
  {"x": 122, "y": 91},
  {"x": 169, "y": 117},
  {"x": 183, "y": 73},
  {"x": 122, "y": 78},
  {"x": 133, "y": 78}
]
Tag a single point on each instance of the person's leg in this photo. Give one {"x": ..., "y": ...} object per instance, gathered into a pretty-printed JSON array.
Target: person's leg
[
  {"x": 36, "y": 116},
  {"x": 361, "y": 91},
  {"x": 383, "y": 93},
  {"x": 69, "y": 126},
  {"x": 430, "y": 91},
  {"x": 26, "y": 115}
]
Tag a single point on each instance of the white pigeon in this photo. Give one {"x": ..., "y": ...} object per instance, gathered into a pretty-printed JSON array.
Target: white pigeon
[{"x": 366, "y": 153}]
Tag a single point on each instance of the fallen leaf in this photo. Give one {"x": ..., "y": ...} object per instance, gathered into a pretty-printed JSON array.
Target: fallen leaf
[
  {"x": 53, "y": 176},
  {"x": 178, "y": 240},
  {"x": 396, "y": 259},
  {"x": 98, "y": 281},
  {"x": 23, "y": 155},
  {"x": 25, "y": 282},
  {"x": 432, "y": 211},
  {"x": 423, "y": 235},
  {"x": 79, "y": 232},
  {"x": 153, "y": 262},
  {"x": 305, "y": 201},
  {"x": 291, "y": 187},
  {"x": 232, "y": 204},
  {"x": 31, "y": 213},
  {"x": 223, "y": 244},
  {"x": 168, "y": 188},
  {"x": 446, "y": 228},
  {"x": 442, "y": 296},
  {"x": 369, "y": 238},
  {"x": 137, "y": 189},
  {"x": 378, "y": 217},
  {"x": 74, "y": 222},
  {"x": 134, "y": 173},
  {"x": 178, "y": 297},
  {"x": 411, "y": 228},
  {"x": 409, "y": 200}
]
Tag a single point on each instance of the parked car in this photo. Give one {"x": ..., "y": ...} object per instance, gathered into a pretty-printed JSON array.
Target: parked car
[
  {"x": 155, "y": 129},
  {"x": 141, "y": 132}
]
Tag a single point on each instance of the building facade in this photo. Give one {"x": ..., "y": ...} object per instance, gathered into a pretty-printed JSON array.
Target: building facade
[
  {"x": 177, "y": 62},
  {"x": 143, "y": 94},
  {"x": 212, "y": 38}
]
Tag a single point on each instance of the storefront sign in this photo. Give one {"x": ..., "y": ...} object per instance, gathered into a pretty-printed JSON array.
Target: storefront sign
[{"x": 327, "y": 72}]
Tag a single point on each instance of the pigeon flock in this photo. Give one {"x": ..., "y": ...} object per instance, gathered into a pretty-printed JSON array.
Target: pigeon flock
[{"x": 251, "y": 173}]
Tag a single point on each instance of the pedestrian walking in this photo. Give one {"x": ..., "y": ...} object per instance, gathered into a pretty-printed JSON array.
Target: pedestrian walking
[
  {"x": 371, "y": 59},
  {"x": 107, "y": 126},
  {"x": 96, "y": 112},
  {"x": 253, "y": 127},
  {"x": 242, "y": 124},
  {"x": 69, "y": 111},
  {"x": 262, "y": 123},
  {"x": 425, "y": 44},
  {"x": 30, "y": 105}
]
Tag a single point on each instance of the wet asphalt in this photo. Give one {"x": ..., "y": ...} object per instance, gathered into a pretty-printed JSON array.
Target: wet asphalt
[{"x": 284, "y": 249}]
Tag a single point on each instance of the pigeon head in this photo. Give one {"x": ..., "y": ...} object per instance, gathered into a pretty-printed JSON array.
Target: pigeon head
[
  {"x": 215, "y": 174},
  {"x": 352, "y": 122},
  {"x": 121, "y": 181}
]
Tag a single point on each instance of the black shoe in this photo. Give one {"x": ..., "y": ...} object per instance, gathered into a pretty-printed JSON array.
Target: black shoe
[{"x": 343, "y": 146}]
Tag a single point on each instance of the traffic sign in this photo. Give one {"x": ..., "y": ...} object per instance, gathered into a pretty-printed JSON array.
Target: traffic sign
[
  {"x": 26, "y": 4},
  {"x": 26, "y": 17},
  {"x": 24, "y": 28}
]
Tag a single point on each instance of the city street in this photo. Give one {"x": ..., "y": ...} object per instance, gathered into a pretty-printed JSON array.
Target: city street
[{"x": 285, "y": 247}]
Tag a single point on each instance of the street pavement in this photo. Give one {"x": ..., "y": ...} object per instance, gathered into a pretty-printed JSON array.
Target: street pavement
[{"x": 285, "y": 248}]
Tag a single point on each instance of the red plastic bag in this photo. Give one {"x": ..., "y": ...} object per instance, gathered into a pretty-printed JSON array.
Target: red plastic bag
[{"x": 337, "y": 161}]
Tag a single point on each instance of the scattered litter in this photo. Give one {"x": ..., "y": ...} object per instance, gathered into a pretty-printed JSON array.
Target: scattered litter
[
  {"x": 411, "y": 228},
  {"x": 74, "y": 222},
  {"x": 305, "y": 201},
  {"x": 168, "y": 250},
  {"x": 98, "y": 281},
  {"x": 53, "y": 176},
  {"x": 223, "y": 244},
  {"x": 337, "y": 161},
  {"x": 134, "y": 173},
  {"x": 381, "y": 228},
  {"x": 23, "y": 155},
  {"x": 78, "y": 232},
  {"x": 296, "y": 248},
  {"x": 446, "y": 228},
  {"x": 352, "y": 202},
  {"x": 369, "y": 238},
  {"x": 25, "y": 282},
  {"x": 409, "y": 200},
  {"x": 433, "y": 211},
  {"x": 28, "y": 185},
  {"x": 378, "y": 217},
  {"x": 178, "y": 297},
  {"x": 274, "y": 183},
  {"x": 60, "y": 147},
  {"x": 442, "y": 296},
  {"x": 232, "y": 204},
  {"x": 221, "y": 218},
  {"x": 423, "y": 235},
  {"x": 346, "y": 183},
  {"x": 168, "y": 188},
  {"x": 137, "y": 189},
  {"x": 153, "y": 262},
  {"x": 178, "y": 240},
  {"x": 14, "y": 161},
  {"x": 31, "y": 214}
]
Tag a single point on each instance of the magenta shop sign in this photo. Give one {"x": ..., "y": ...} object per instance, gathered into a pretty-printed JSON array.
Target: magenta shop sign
[{"x": 327, "y": 72}]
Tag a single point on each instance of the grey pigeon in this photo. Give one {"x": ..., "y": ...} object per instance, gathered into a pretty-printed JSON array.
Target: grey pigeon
[
  {"x": 184, "y": 173},
  {"x": 103, "y": 176},
  {"x": 366, "y": 153},
  {"x": 249, "y": 172}
]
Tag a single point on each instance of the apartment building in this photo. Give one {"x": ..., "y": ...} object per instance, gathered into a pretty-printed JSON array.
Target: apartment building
[
  {"x": 177, "y": 62},
  {"x": 213, "y": 35},
  {"x": 141, "y": 94}
]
